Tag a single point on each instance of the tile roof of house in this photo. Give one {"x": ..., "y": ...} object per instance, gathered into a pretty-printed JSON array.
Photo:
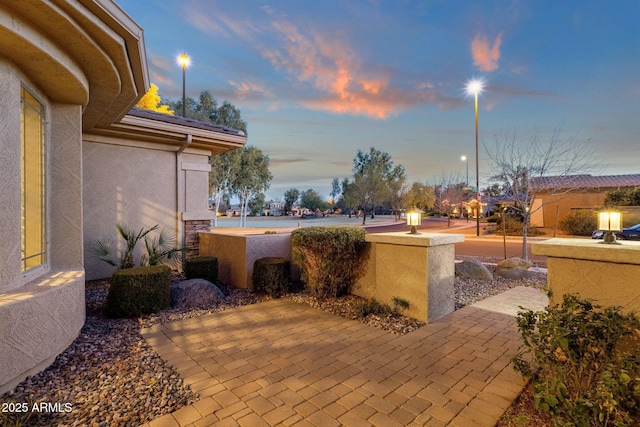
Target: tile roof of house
[
  {"x": 585, "y": 181},
  {"x": 152, "y": 115}
]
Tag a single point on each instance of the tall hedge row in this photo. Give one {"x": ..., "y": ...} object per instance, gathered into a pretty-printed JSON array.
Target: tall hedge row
[{"x": 331, "y": 259}]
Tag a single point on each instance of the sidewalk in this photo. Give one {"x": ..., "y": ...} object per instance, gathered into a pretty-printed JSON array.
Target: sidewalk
[{"x": 283, "y": 363}]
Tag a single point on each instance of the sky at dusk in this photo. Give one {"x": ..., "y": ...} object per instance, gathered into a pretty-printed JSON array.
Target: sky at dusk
[{"x": 317, "y": 80}]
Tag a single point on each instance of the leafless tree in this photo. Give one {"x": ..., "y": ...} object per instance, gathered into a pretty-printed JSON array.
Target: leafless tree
[{"x": 525, "y": 167}]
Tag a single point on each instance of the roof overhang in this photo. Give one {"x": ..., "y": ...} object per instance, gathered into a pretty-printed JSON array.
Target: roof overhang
[{"x": 85, "y": 52}]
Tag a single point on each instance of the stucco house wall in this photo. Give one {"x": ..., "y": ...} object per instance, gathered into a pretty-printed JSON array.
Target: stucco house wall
[{"x": 84, "y": 61}]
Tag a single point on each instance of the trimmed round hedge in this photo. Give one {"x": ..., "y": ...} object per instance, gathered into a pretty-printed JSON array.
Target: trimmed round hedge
[
  {"x": 139, "y": 290},
  {"x": 271, "y": 276},
  {"x": 201, "y": 267}
]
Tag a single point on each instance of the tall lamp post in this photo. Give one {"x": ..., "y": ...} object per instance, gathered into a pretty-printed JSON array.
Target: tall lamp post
[
  {"x": 474, "y": 87},
  {"x": 466, "y": 159},
  {"x": 184, "y": 61}
]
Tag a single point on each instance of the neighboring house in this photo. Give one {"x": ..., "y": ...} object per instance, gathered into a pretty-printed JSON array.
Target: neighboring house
[
  {"x": 274, "y": 208},
  {"x": 560, "y": 194},
  {"x": 76, "y": 159}
]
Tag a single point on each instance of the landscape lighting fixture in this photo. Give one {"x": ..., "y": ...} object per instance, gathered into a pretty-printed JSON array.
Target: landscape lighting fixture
[
  {"x": 414, "y": 219},
  {"x": 609, "y": 222}
]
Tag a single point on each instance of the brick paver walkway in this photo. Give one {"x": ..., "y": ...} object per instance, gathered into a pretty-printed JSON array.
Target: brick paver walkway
[{"x": 283, "y": 363}]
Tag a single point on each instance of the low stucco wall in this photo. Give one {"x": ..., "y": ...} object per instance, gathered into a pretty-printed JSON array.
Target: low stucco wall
[
  {"x": 236, "y": 253},
  {"x": 40, "y": 320},
  {"x": 607, "y": 274},
  {"x": 418, "y": 268}
]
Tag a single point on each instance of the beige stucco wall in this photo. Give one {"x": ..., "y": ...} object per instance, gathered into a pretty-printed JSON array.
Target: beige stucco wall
[
  {"x": 607, "y": 274},
  {"x": 237, "y": 253},
  {"x": 140, "y": 185},
  {"x": 129, "y": 185},
  {"x": 42, "y": 311},
  {"x": 418, "y": 268}
]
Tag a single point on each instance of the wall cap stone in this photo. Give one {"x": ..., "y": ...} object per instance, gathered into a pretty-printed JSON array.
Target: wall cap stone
[
  {"x": 589, "y": 249},
  {"x": 422, "y": 239}
]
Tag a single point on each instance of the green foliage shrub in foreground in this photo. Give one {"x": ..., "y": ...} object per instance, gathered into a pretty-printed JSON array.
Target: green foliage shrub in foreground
[
  {"x": 579, "y": 222},
  {"x": 271, "y": 276},
  {"x": 331, "y": 259},
  {"x": 201, "y": 267},
  {"x": 139, "y": 290},
  {"x": 589, "y": 360}
]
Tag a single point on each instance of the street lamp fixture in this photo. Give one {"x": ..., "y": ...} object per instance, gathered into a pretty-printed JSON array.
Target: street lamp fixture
[
  {"x": 184, "y": 61},
  {"x": 474, "y": 87},
  {"x": 414, "y": 219},
  {"x": 609, "y": 222},
  {"x": 466, "y": 159}
]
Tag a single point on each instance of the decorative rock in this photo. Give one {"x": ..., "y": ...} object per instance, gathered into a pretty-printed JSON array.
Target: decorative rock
[
  {"x": 515, "y": 268},
  {"x": 516, "y": 273},
  {"x": 515, "y": 262},
  {"x": 473, "y": 269},
  {"x": 194, "y": 293}
]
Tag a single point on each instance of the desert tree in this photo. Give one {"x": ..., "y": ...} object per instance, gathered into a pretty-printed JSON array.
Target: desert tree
[
  {"x": 526, "y": 167},
  {"x": 291, "y": 196},
  {"x": 224, "y": 170},
  {"x": 451, "y": 192},
  {"x": 253, "y": 178},
  {"x": 373, "y": 174},
  {"x": 153, "y": 102},
  {"x": 421, "y": 196}
]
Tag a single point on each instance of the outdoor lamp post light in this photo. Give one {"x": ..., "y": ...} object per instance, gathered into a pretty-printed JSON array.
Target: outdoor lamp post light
[
  {"x": 466, "y": 159},
  {"x": 414, "y": 219},
  {"x": 474, "y": 87},
  {"x": 184, "y": 61},
  {"x": 609, "y": 222}
]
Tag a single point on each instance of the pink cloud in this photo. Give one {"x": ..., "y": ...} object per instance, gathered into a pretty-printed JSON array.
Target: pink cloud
[
  {"x": 344, "y": 84},
  {"x": 485, "y": 56}
]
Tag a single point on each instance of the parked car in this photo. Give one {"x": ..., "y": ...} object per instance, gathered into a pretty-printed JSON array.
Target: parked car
[{"x": 630, "y": 233}]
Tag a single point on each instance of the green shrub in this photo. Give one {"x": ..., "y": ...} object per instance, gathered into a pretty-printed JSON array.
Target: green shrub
[
  {"x": 589, "y": 360},
  {"x": 271, "y": 276},
  {"x": 579, "y": 222},
  {"x": 371, "y": 306},
  {"x": 139, "y": 290},
  {"x": 331, "y": 259},
  {"x": 201, "y": 267}
]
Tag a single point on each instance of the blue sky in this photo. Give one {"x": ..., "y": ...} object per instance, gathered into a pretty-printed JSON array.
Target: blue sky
[{"x": 317, "y": 80}]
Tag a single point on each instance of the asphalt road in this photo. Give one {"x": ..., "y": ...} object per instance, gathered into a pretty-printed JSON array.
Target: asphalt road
[{"x": 483, "y": 246}]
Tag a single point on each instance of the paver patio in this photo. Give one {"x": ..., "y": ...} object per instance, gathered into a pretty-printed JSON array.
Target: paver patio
[{"x": 284, "y": 363}]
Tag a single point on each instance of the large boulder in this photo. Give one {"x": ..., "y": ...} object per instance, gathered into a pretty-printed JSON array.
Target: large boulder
[
  {"x": 473, "y": 269},
  {"x": 194, "y": 293},
  {"x": 515, "y": 268},
  {"x": 515, "y": 262}
]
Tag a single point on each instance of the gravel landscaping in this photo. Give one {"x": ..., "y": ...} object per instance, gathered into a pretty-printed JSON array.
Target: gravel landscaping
[{"x": 110, "y": 376}]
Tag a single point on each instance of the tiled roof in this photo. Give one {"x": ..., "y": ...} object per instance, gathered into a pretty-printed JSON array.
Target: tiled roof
[
  {"x": 585, "y": 181},
  {"x": 152, "y": 115}
]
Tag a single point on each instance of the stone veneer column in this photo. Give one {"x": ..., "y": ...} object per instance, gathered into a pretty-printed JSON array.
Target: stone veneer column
[{"x": 191, "y": 237}]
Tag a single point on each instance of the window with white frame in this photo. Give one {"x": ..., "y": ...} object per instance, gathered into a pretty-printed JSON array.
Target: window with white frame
[{"x": 33, "y": 184}]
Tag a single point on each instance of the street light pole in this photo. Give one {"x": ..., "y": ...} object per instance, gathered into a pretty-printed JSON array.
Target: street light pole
[
  {"x": 184, "y": 61},
  {"x": 466, "y": 159},
  {"x": 475, "y": 87}
]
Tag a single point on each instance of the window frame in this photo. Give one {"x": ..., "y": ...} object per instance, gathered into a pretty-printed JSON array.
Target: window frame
[{"x": 28, "y": 99}]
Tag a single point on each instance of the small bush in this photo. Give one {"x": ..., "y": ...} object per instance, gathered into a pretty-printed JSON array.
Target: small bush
[
  {"x": 331, "y": 259},
  {"x": 201, "y": 267},
  {"x": 139, "y": 290},
  {"x": 371, "y": 306},
  {"x": 589, "y": 360},
  {"x": 271, "y": 276},
  {"x": 580, "y": 222}
]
